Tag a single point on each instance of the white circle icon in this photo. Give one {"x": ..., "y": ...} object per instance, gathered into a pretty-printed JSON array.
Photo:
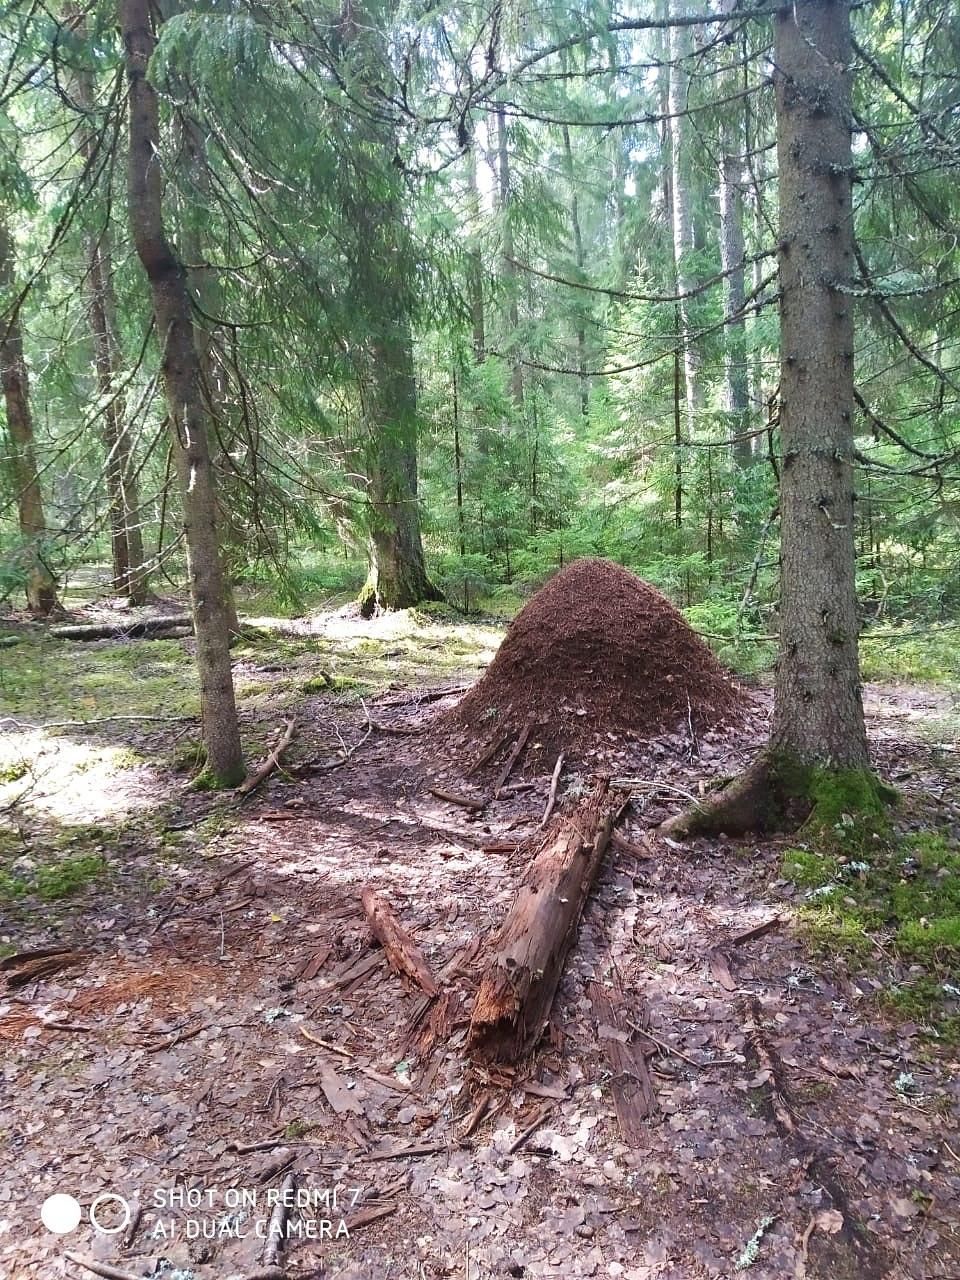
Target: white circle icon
[
  {"x": 60, "y": 1214},
  {"x": 109, "y": 1198}
]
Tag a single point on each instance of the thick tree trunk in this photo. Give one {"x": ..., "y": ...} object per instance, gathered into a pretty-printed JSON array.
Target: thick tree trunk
[
  {"x": 818, "y": 746},
  {"x": 41, "y": 586},
  {"x": 130, "y": 577},
  {"x": 681, "y": 47},
  {"x": 732, "y": 253},
  {"x": 182, "y": 382},
  {"x": 818, "y": 714},
  {"x": 528, "y": 951},
  {"x": 398, "y": 574}
]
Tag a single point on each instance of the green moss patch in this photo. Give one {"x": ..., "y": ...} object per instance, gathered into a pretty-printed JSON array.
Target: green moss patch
[{"x": 901, "y": 901}]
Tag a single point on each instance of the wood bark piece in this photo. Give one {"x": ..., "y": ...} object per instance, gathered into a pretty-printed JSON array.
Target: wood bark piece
[
  {"x": 528, "y": 951},
  {"x": 513, "y": 757},
  {"x": 141, "y": 629},
  {"x": 341, "y": 1100},
  {"x": 402, "y": 952},
  {"x": 26, "y": 966},
  {"x": 272, "y": 761},
  {"x": 632, "y": 1088}
]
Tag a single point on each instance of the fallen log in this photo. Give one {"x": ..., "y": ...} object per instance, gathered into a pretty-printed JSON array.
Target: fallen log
[
  {"x": 528, "y": 951},
  {"x": 143, "y": 629},
  {"x": 402, "y": 952}
]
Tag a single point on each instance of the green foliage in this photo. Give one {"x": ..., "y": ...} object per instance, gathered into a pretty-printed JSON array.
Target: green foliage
[{"x": 902, "y": 898}]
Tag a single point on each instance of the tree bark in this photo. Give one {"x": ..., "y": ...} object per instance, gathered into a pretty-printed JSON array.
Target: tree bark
[
  {"x": 41, "y": 586},
  {"x": 732, "y": 254},
  {"x": 130, "y": 577},
  {"x": 528, "y": 951},
  {"x": 818, "y": 737},
  {"x": 681, "y": 47},
  {"x": 188, "y": 421},
  {"x": 397, "y": 577},
  {"x": 818, "y": 712}
]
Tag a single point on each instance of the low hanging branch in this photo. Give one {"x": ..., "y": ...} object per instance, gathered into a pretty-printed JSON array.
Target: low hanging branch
[
  {"x": 272, "y": 761},
  {"x": 526, "y": 956},
  {"x": 402, "y": 952}
]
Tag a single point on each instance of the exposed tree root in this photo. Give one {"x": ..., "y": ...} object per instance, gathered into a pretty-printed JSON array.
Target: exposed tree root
[{"x": 779, "y": 793}]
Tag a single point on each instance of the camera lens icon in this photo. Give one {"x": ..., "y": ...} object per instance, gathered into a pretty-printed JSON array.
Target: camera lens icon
[{"x": 103, "y": 1213}]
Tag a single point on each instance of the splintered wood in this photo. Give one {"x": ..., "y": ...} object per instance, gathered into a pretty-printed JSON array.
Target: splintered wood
[
  {"x": 526, "y": 955},
  {"x": 631, "y": 1086},
  {"x": 403, "y": 954}
]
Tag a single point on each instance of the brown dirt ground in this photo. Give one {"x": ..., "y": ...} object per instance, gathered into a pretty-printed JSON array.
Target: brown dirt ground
[{"x": 233, "y": 1067}]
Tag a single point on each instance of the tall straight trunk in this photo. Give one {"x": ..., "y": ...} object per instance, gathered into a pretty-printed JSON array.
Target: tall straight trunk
[
  {"x": 203, "y": 287},
  {"x": 382, "y": 274},
  {"x": 581, "y": 332},
  {"x": 681, "y": 47},
  {"x": 818, "y": 711},
  {"x": 41, "y": 586},
  {"x": 509, "y": 268},
  {"x": 130, "y": 576},
  {"x": 398, "y": 576},
  {"x": 188, "y": 420},
  {"x": 475, "y": 260},
  {"x": 732, "y": 253}
]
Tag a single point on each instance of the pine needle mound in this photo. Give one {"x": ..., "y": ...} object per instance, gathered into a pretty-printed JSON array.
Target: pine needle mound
[{"x": 597, "y": 652}]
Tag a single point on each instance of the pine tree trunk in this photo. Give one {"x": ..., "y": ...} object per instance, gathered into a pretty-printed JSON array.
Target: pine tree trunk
[
  {"x": 188, "y": 422},
  {"x": 41, "y": 587},
  {"x": 818, "y": 716},
  {"x": 732, "y": 253},
  {"x": 681, "y": 46},
  {"x": 130, "y": 577}
]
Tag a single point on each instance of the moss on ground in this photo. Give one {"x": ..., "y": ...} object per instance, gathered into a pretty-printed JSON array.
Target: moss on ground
[{"x": 902, "y": 900}]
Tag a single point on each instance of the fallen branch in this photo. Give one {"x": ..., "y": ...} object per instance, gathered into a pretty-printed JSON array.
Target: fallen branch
[
  {"x": 26, "y": 966},
  {"x": 527, "y": 953},
  {"x": 100, "y": 1268},
  {"x": 275, "y": 1228},
  {"x": 552, "y": 797},
  {"x": 143, "y": 629},
  {"x": 272, "y": 761},
  {"x": 513, "y": 757},
  {"x": 454, "y": 797},
  {"x": 402, "y": 952}
]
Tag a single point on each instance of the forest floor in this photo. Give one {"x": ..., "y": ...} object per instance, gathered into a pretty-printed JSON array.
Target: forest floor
[{"x": 226, "y": 1020}]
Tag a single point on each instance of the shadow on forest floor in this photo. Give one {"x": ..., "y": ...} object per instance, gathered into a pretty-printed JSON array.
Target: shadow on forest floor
[{"x": 229, "y": 1020}]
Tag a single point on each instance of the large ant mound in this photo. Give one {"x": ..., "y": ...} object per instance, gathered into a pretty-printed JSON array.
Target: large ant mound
[{"x": 597, "y": 651}]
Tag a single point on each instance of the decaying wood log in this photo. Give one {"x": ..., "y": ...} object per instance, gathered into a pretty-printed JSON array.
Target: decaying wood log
[
  {"x": 528, "y": 951},
  {"x": 142, "y": 629},
  {"x": 402, "y": 952}
]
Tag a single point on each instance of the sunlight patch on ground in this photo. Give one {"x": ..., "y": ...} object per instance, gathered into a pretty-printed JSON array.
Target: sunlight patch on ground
[{"x": 73, "y": 782}]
